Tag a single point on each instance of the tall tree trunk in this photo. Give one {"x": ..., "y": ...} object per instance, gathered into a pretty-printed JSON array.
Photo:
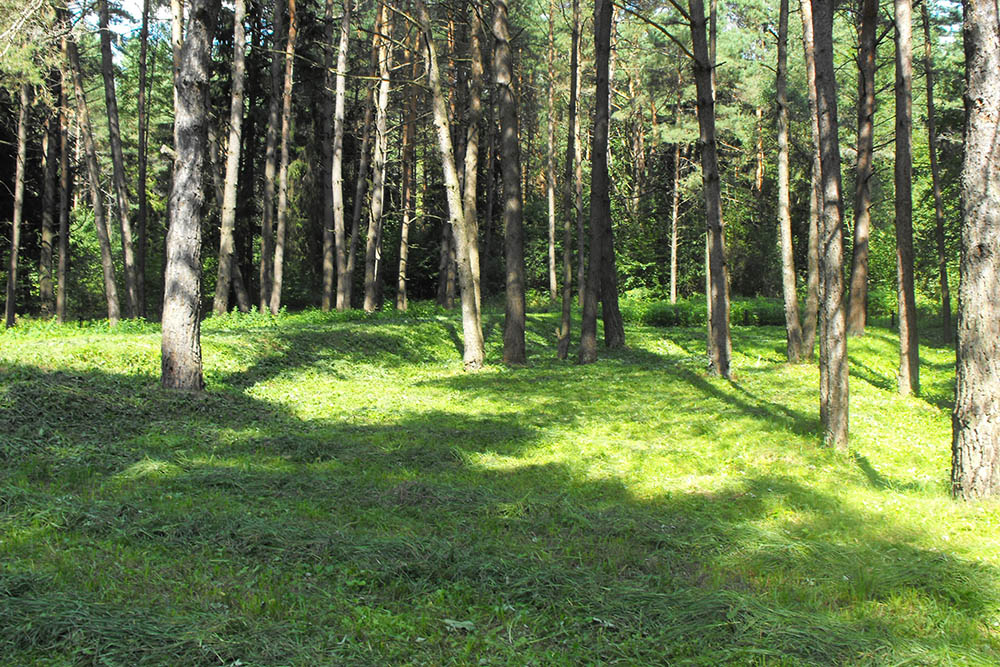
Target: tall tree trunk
[
  {"x": 49, "y": 158},
  {"x": 794, "y": 332},
  {"x": 936, "y": 180},
  {"x": 975, "y": 471},
  {"x": 281, "y": 233},
  {"x": 337, "y": 166},
  {"x": 471, "y": 327},
  {"x": 719, "y": 343},
  {"x": 118, "y": 161},
  {"x": 181, "y": 342},
  {"x": 514, "y": 316},
  {"x": 581, "y": 231},
  {"x": 909, "y": 351},
  {"x": 373, "y": 248},
  {"x": 15, "y": 234},
  {"x": 176, "y": 40},
  {"x": 361, "y": 183},
  {"x": 550, "y": 181},
  {"x": 408, "y": 153},
  {"x": 228, "y": 222},
  {"x": 94, "y": 174},
  {"x": 811, "y": 317},
  {"x": 858, "y": 299},
  {"x": 675, "y": 205},
  {"x": 271, "y": 160},
  {"x": 570, "y": 212},
  {"x": 833, "y": 341},
  {"x": 142, "y": 223},
  {"x": 471, "y": 161},
  {"x": 65, "y": 184}
]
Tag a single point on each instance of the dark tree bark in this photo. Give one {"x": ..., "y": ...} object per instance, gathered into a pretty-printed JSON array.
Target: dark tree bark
[
  {"x": 975, "y": 471},
  {"x": 15, "y": 234},
  {"x": 271, "y": 160},
  {"x": 811, "y": 316},
  {"x": 142, "y": 221},
  {"x": 936, "y": 180},
  {"x": 570, "y": 211},
  {"x": 833, "y": 341},
  {"x": 281, "y": 233},
  {"x": 514, "y": 316},
  {"x": 909, "y": 350},
  {"x": 792, "y": 327},
  {"x": 228, "y": 222},
  {"x": 94, "y": 177},
  {"x": 181, "y": 342},
  {"x": 373, "y": 247},
  {"x": 858, "y": 299},
  {"x": 408, "y": 152},
  {"x": 719, "y": 342},
  {"x": 49, "y": 159},
  {"x": 118, "y": 162},
  {"x": 65, "y": 184}
]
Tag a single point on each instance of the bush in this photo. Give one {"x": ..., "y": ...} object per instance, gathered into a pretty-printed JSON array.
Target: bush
[{"x": 757, "y": 311}]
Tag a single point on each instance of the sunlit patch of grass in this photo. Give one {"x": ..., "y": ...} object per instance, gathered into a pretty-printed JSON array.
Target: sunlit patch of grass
[{"x": 346, "y": 494}]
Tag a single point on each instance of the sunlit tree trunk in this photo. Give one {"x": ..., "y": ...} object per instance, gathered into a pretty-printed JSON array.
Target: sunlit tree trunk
[
  {"x": 65, "y": 184},
  {"x": 49, "y": 163},
  {"x": 408, "y": 155},
  {"x": 373, "y": 247},
  {"x": 550, "y": 181},
  {"x": 142, "y": 221},
  {"x": 570, "y": 212},
  {"x": 15, "y": 234},
  {"x": 281, "y": 233},
  {"x": 271, "y": 160},
  {"x": 811, "y": 315},
  {"x": 471, "y": 162},
  {"x": 337, "y": 164}
]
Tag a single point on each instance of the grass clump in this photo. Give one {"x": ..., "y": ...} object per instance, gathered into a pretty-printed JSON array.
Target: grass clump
[{"x": 345, "y": 494}]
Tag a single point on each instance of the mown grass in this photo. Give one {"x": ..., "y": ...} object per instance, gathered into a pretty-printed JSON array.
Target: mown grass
[{"x": 345, "y": 494}]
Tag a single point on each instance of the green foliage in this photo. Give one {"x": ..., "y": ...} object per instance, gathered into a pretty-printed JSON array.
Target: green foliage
[{"x": 643, "y": 307}]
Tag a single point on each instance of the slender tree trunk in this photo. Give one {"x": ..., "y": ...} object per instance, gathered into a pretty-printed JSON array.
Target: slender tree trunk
[
  {"x": 833, "y": 341},
  {"x": 118, "y": 161},
  {"x": 975, "y": 471},
  {"x": 550, "y": 181},
  {"x": 858, "y": 299},
  {"x": 49, "y": 159},
  {"x": 281, "y": 233},
  {"x": 361, "y": 184},
  {"x": 471, "y": 327},
  {"x": 570, "y": 212},
  {"x": 471, "y": 161},
  {"x": 794, "y": 332},
  {"x": 142, "y": 222},
  {"x": 675, "y": 205},
  {"x": 15, "y": 234},
  {"x": 94, "y": 173},
  {"x": 909, "y": 351},
  {"x": 719, "y": 344},
  {"x": 271, "y": 160},
  {"x": 343, "y": 300},
  {"x": 408, "y": 186},
  {"x": 65, "y": 184},
  {"x": 226, "y": 244},
  {"x": 811, "y": 317},
  {"x": 514, "y": 318},
  {"x": 373, "y": 248},
  {"x": 181, "y": 342},
  {"x": 581, "y": 232}
]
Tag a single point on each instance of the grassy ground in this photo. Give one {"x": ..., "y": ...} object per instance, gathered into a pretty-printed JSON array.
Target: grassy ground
[{"x": 345, "y": 494}]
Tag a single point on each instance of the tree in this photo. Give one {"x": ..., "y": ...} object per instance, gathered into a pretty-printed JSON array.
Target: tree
[
  {"x": 373, "y": 247},
  {"x": 975, "y": 469},
  {"x": 64, "y": 192},
  {"x": 550, "y": 154},
  {"x": 15, "y": 234},
  {"x": 181, "y": 340},
  {"x": 142, "y": 223},
  {"x": 281, "y": 233},
  {"x": 571, "y": 206},
  {"x": 815, "y": 187},
  {"x": 228, "y": 222},
  {"x": 833, "y": 407},
  {"x": 271, "y": 160},
  {"x": 50, "y": 163}
]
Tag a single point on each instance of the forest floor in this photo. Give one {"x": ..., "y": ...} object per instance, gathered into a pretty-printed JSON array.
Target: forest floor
[{"x": 344, "y": 493}]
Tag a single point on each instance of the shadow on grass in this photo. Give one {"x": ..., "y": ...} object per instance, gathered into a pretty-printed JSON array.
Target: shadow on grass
[{"x": 216, "y": 528}]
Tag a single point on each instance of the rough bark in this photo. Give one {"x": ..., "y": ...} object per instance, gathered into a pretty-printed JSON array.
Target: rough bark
[
  {"x": 94, "y": 177},
  {"x": 514, "y": 314},
  {"x": 909, "y": 353},
  {"x": 281, "y": 232},
  {"x": 570, "y": 212},
  {"x": 228, "y": 221},
  {"x": 833, "y": 341},
  {"x": 142, "y": 221},
  {"x": 719, "y": 342},
  {"x": 470, "y": 186},
  {"x": 15, "y": 234},
  {"x": 936, "y": 180},
  {"x": 373, "y": 247},
  {"x": 271, "y": 160},
  {"x": 858, "y": 299},
  {"x": 118, "y": 161},
  {"x": 471, "y": 327},
  {"x": 49, "y": 160},
  {"x": 342, "y": 299},
  {"x": 181, "y": 342},
  {"x": 975, "y": 471},
  {"x": 792, "y": 327},
  {"x": 408, "y": 153},
  {"x": 811, "y": 315}
]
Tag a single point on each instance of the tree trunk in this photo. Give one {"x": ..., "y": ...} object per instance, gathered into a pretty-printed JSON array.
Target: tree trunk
[
  {"x": 281, "y": 233},
  {"x": 271, "y": 160},
  {"x": 570, "y": 212},
  {"x": 581, "y": 231},
  {"x": 815, "y": 189},
  {"x": 674, "y": 215},
  {"x": 49, "y": 158},
  {"x": 794, "y": 332},
  {"x": 719, "y": 343},
  {"x": 176, "y": 40},
  {"x": 472, "y": 329},
  {"x": 65, "y": 184},
  {"x": 936, "y": 181},
  {"x": 94, "y": 174},
  {"x": 15, "y": 234},
  {"x": 550, "y": 181},
  {"x": 142, "y": 222},
  {"x": 408, "y": 155},
  {"x": 975, "y": 471},
  {"x": 833, "y": 341},
  {"x": 342, "y": 299},
  {"x": 909, "y": 350},
  {"x": 373, "y": 248},
  {"x": 471, "y": 161},
  {"x": 361, "y": 183},
  {"x": 858, "y": 299},
  {"x": 228, "y": 223},
  {"x": 181, "y": 343}
]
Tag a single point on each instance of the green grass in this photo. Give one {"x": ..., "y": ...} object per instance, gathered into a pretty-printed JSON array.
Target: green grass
[{"x": 346, "y": 494}]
